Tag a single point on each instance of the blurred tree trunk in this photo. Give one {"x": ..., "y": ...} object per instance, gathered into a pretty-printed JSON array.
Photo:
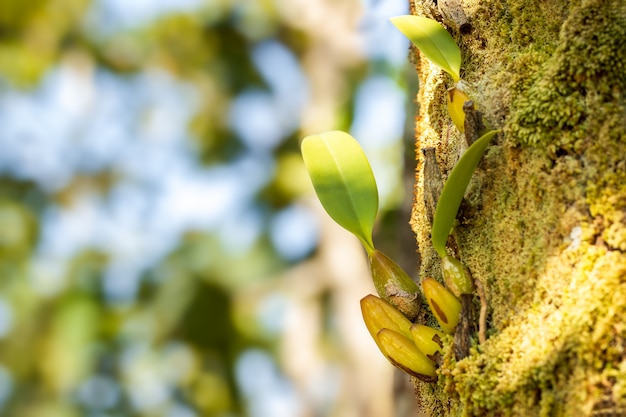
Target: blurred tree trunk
[{"x": 543, "y": 224}]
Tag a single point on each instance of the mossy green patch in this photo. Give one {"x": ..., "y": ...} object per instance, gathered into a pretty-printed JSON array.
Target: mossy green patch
[
  {"x": 543, "y": 226},
  {"x": 582, "y": 81},
  {"x": 567, "y": 327}
]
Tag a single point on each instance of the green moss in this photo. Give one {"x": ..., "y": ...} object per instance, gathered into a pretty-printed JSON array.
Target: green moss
[
  {"x": 544, "y": 223},
  {"x": 528, "y": 367},
  {"x": 583, "y": 79}
]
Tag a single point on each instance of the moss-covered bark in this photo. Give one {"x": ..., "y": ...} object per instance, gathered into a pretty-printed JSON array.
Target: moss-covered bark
[{"x": 543, "y": 225}]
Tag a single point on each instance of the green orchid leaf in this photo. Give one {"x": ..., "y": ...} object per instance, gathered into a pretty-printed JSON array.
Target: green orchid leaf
[
  {"x": 453, "y": 191},
  {"x": 433, "y": 40},
  {"x": 344, "y": 182}
]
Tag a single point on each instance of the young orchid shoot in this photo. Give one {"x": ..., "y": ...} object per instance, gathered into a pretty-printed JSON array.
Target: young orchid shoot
[{"x": 346, "y": 187}]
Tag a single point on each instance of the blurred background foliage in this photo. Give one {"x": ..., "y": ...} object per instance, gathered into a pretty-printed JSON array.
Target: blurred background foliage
[{"x": 161, "y": 253}]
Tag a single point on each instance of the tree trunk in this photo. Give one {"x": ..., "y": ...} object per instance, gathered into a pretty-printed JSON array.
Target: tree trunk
[{"x": 543, "y": 223}]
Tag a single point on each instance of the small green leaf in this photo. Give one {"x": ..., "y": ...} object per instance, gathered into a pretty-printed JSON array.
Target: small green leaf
[
  {"x": 453, "y": 191},
  {"x": 344, "y": 182},
  {"x": 433, "y": 40}
]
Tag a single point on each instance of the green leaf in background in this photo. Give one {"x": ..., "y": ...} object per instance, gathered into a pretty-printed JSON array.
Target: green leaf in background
[
  {"x": 344, "y": 182},
  {"x": 433, "y": 40},
  {"x": 453, "y": 191}
]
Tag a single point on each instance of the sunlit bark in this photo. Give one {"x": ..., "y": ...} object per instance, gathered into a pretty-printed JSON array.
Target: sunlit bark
[{"x": 543, "y": 224}]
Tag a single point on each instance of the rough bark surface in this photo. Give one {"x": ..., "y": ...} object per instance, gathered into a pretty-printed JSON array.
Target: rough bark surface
[{"x": 543, "y": 223}]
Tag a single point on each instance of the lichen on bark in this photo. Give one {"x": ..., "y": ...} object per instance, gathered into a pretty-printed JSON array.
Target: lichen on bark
[{"x": 543, "y": 224}]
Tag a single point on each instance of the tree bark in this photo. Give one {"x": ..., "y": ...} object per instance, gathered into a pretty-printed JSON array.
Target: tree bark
[{"x": 543, "y": 223}]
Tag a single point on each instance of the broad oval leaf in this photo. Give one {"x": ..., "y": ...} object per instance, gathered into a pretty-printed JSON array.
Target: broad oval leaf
[
  {"x": 453, "y": 191},
  {"x": 344, "y": 182},
  {"x": 433, "y": 40}
]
